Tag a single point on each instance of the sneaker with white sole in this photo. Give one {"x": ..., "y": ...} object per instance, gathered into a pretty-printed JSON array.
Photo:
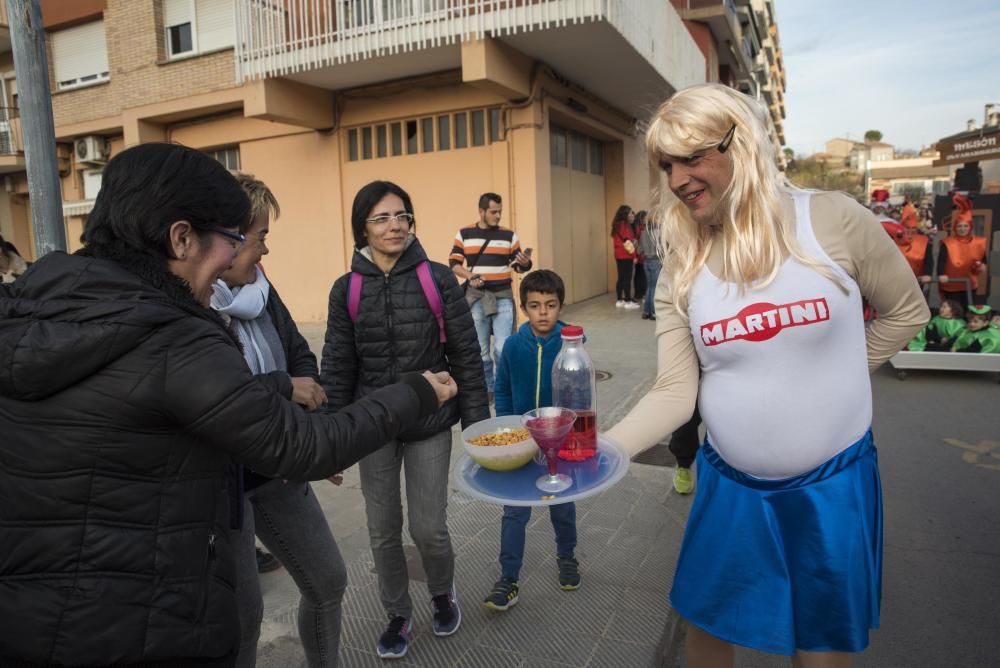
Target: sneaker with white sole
[
  {"x": 503, "y": 595},
  {"x": 447, "y": 614},
  {"x": 620, "y": 303},
  {"x": 631, "y": 306},
  {"x": 394, "y": 642}
]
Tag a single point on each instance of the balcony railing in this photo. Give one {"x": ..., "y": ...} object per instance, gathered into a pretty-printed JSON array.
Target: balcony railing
[
  {"x": 282, "y": 37},
  {"x": 11, "y": 138}
]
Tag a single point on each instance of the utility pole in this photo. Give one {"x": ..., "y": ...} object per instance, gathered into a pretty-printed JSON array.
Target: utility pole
[{"x": 27, "y": 35}]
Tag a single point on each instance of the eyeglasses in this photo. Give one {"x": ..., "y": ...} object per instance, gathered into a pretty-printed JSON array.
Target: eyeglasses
[
  {"x": 232, "y": 236},
  {"x": 727, "y": 140},
  {"x": 401, "y": 218}
]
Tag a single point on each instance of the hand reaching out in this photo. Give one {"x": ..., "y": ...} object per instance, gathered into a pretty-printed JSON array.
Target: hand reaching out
[{"x": 307, "y": 393}]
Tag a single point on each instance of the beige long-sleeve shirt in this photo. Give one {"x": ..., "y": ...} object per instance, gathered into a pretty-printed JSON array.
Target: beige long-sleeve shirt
[{"x": 852, "y": 237}]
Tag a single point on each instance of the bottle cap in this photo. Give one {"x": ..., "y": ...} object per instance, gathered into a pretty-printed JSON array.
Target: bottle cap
[{"x": 572, "y": 332}]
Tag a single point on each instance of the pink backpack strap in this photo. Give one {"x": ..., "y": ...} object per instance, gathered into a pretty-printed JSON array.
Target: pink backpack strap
[
  {"x": 433, "y": 295},
  {"x": 354, "y": 295}
]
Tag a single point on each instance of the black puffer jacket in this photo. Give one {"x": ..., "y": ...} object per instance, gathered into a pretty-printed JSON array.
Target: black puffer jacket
[
  {"x": 396, "y": 332},
  {"x": 123, "y": 404}
]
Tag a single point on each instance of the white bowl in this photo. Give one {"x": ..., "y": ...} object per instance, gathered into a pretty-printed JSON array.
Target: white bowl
[{"x": 499, "y": 457}]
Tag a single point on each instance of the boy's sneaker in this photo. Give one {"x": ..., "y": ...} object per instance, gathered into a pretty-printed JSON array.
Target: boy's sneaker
[
  {"x": 620, "y": 303},
  {"x": 447, "y": 614},
  {"x": 569, "y": 573},
  {"x": 503, "y": 596},
  {"x": 683, "y": 482},
  {"x": 394, "y": 642}
]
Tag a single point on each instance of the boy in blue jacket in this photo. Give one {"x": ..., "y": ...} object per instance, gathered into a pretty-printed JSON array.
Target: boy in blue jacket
[{"x": 523, "y": 383}]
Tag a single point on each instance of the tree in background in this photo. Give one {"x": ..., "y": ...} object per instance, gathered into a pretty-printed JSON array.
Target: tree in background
[
  {"x": 873, "y": 136},
  {"x": 809, "y": 173}
]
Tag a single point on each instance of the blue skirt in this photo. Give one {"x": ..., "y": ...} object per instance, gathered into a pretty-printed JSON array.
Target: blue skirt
[{"x": 785, "y": 565}]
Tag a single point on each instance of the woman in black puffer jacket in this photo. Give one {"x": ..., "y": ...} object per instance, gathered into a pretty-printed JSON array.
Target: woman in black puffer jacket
[
  {"x": 124, "y": 402},
  {"x": 389, "y": 330}
]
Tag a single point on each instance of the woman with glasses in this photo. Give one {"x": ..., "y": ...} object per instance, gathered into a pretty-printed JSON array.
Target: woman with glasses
[
  {"x": 124, "y": 402},
  {"x": 393, "y": 313},
  {"x": 762, "y": 291}
]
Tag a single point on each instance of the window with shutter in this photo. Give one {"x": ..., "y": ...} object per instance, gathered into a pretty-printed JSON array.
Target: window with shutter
[
  {"x": 80, "y": 55},
  {"x": 214, "y": 22},
  {"x": 198, "y": 26}
]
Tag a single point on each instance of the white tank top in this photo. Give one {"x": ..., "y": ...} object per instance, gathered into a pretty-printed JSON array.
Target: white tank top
[{"x": 784, "y": 384}]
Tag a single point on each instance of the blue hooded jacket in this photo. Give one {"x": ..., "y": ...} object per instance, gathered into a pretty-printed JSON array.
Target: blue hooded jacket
[{"x": 524, "y": 375}]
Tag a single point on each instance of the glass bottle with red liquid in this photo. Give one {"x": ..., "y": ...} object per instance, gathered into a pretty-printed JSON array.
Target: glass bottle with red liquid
[{"x": 574, "y": 386}]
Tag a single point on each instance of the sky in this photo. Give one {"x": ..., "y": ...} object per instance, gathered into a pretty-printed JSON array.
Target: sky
[{"x": 915, "y": 69}]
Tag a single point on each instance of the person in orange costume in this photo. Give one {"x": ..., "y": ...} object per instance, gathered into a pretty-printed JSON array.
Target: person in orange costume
[
  {"x": 913, "y": 246},
  {"x": 962, "y": 254},
  {"x": 909, "y": 217}
]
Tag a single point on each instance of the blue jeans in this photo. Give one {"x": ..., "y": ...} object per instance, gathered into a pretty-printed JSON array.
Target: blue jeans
[
  {"x": 652, "y": 268},
  {"x": 512, "y": 528},
  {"x": 501, "y": 325},
  {"x": 290, "y": 523},
  {"x": 426, "y": 465}
]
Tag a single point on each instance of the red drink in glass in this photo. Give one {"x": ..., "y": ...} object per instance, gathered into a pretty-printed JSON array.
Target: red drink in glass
[{"x": 582, "y": 442}]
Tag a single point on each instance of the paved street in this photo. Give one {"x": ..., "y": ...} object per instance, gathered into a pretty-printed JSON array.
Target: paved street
[{"x": 939, "y": 446}]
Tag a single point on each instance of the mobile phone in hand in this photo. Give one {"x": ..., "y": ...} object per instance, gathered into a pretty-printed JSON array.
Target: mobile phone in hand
[{"x": 527, "y": 251}]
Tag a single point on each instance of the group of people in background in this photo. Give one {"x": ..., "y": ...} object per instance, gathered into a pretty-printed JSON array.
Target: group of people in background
[
  {"x": 635, "y": 240},
  {"x": 961, "y": 323}
]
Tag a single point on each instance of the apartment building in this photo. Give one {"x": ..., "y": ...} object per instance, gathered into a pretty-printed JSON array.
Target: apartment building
[
  {"x": 741, "y": 46},
  {"x": 541, "y": 101},
  {"x": 14, "y": 212}
]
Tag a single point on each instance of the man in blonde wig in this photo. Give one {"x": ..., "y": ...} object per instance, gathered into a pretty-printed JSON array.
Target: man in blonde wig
[{"x": 761, "y": 287}]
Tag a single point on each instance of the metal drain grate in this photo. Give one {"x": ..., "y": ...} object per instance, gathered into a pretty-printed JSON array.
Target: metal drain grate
[{"x": 602, "y": 375}]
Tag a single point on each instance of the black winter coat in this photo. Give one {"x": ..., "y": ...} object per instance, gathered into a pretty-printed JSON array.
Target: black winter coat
[
  {"x": 396, "y": 332},
  {"x": 123, "y": 404}
]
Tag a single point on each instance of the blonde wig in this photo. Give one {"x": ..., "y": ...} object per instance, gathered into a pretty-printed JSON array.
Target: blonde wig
[{"x": 755, "y": 241}]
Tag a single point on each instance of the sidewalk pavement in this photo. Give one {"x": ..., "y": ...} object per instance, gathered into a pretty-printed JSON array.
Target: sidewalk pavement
[{"x": 629, "y": 537}]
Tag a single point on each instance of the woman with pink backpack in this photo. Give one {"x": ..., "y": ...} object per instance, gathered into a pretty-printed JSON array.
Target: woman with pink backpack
[{"x": 394, "y": 312}]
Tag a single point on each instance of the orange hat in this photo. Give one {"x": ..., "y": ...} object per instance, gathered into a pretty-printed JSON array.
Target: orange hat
[
  {"x": 962, "y": 212},
  {"x": 909, "y": 216}
]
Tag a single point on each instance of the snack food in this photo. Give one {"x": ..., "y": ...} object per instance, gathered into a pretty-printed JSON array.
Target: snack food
[{"x": 505, "y": 436}]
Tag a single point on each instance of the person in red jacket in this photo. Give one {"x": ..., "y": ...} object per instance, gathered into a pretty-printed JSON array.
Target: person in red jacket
[
  {"x": 625, "y": 254},
  {"x": 962, "y": 254}
]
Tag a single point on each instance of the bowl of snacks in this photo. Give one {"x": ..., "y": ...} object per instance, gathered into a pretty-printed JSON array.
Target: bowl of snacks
[{"x": 500, "y": 443}]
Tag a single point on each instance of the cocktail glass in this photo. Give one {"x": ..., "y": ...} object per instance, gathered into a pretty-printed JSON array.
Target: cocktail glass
[{"x": 550, "y": 427}]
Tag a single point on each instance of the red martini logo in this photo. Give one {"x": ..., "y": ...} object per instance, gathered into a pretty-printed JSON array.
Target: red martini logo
[{"x": 760, "y": 322}]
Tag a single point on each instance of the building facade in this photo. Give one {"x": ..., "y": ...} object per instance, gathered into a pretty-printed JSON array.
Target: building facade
[
  {"x": 740, "y": 43},
  {"x": 541, "y": 101}
]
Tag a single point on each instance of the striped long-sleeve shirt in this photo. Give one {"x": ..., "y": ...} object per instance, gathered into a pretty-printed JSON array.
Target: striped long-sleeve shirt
[{"x": 494, "y": 266}]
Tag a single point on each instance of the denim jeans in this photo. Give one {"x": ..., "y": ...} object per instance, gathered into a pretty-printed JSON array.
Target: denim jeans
[
  {"x": 652, "y": 267},
  {"x": 501, "y": 325},
  {"x": 426, "y": 464},
  {"x": 290, "y": 523},
  {"x": 512, "y": 528}
]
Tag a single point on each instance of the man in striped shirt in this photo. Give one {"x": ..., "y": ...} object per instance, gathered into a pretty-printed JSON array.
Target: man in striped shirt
[{"x": 484, "y": 255}]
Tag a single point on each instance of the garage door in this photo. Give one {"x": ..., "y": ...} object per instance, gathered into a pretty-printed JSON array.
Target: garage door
[{"x": 578, "y": 212}]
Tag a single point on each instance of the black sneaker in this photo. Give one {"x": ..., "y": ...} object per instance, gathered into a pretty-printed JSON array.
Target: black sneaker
[
  {"x": 394, "y": 642},
  {"x": 503, "y": 596},
  {"x": 569, "y": 573},
  {"x": 266, "y": 562},
  {"x": 447, "y": 614}
]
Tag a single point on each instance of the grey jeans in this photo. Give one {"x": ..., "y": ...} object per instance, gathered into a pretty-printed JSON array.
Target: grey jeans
[
  {"x": 290, "y": 523},
  {"x": 426, "y": 465}
]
